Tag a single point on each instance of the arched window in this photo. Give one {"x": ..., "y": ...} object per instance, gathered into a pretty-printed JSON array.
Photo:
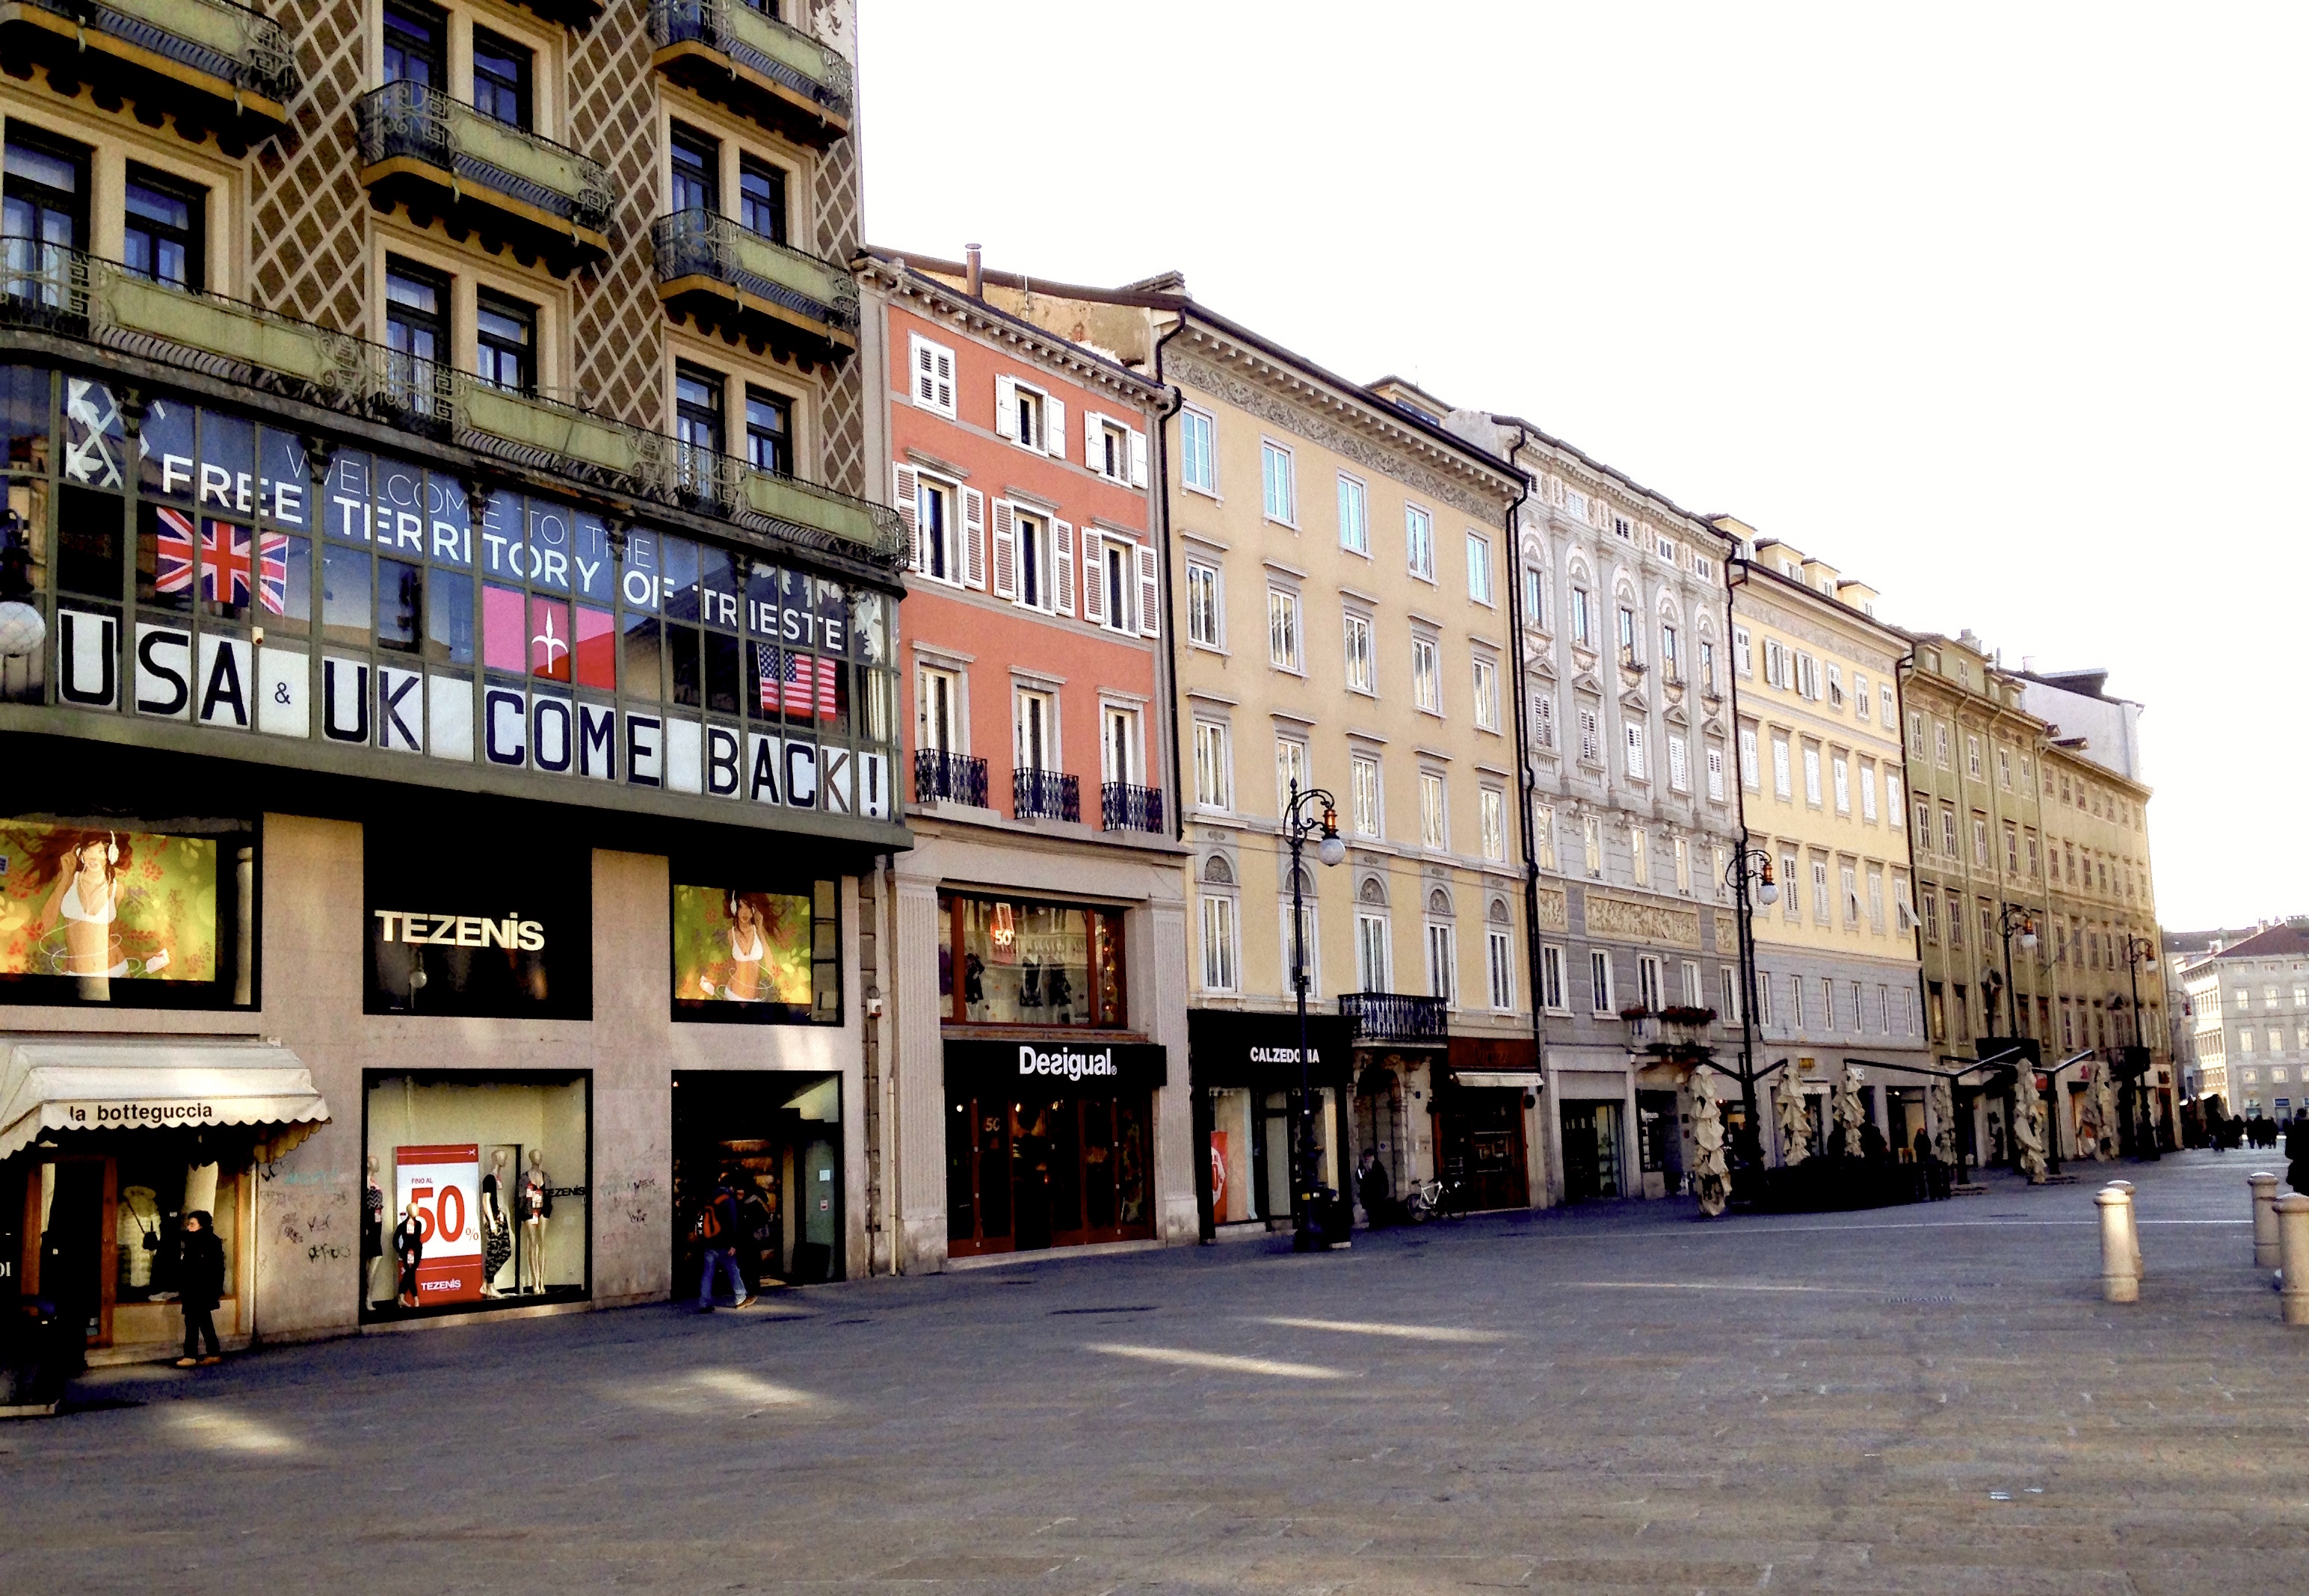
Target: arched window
[
  {"x": 1499, "y": 914},
  {"x": 1216, "y": 871},
  {"x": 1439, "y": 902},
  {"x": 1373, "y": 891}
]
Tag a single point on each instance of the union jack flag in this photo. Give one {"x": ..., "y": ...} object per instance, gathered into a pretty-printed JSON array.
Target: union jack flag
[
  {"x": 223, "y": 564},
  {"x": 798, "y": 683}
]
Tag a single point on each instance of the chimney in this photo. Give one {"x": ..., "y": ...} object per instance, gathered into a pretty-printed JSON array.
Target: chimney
[{"x": 975, "y": 272}]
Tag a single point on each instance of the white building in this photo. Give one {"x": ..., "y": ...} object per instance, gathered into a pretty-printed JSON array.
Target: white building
[{"x": 2249, "y": 1003}]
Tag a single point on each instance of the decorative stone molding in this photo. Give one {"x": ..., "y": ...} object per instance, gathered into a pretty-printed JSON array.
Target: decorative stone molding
[
  {"x": 1554, "y": 909},
  {"x": 1632, "y": 920}
]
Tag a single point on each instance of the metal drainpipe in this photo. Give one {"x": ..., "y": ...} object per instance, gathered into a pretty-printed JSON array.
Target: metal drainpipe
[
  {"x": 1902, "y": 669},
  {"x": 1735, "y": 577},
  {"x": 1526, "y": 784},
  {"x": 1170, "y": 628}
]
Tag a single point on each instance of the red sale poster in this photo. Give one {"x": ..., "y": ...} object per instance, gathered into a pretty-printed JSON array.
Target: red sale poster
[
  {"x": 445, "y": 1184},
  {"x": 1219, "y": 1213}
]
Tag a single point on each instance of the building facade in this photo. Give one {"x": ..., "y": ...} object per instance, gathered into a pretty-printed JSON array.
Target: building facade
[
  {"x": 1821, "y": 796},
  {"x": 1039, "y": 1094},
  {"x": 441, "y": 804},
  {"x": 2249, "y": 1001}
]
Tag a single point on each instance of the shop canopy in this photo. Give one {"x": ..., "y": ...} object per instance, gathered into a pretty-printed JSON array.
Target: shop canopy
[
  {"x": 1516, "y": 1080},
  {"x": 189, "y": 1083}
]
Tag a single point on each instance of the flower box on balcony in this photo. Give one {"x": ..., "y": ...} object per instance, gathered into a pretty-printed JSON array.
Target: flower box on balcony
[{"x": 1685, "y": 1015}]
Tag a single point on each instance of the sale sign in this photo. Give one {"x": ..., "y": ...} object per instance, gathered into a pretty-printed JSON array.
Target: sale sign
[
  {"x": 445, "y": 1184},
  {"x": 1219, "y": 1177}
]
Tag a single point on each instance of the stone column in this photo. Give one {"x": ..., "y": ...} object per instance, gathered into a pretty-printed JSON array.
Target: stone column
[
  {"x": 2119, "y": 1281},
  {"x": 2264, "y": 1220},
  {"x": 2293, "y": 1232}
]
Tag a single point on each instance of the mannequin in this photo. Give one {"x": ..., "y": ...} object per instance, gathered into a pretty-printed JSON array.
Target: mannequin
[
  {"x": 536, "y": 1208},
  {"x": 496, "y": 1230},
  {"x": 409, "y": 1251},
  {"x": 372, "y": 1236}
]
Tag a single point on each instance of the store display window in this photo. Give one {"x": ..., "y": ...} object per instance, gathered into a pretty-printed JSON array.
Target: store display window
[
  {"x": 1047, "y": 1169},
  {"x": 757, "y": 955},
  {"x": 98, "y": 909},
  {"x": 1250, "y": 1151},
  {"x": 776, "y": 1136},
  {"x": 476, "y": 1192},
  {"x": 1005, "y": 962}
]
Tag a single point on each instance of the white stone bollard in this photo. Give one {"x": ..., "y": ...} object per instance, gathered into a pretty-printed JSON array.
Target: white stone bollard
[
  {"x": 2293, "y": 1232},
  {"x": 2264, "y": 1220},
  {"x": 2120, "y": 1276},
  {"x": 2133, "y": 1224}
]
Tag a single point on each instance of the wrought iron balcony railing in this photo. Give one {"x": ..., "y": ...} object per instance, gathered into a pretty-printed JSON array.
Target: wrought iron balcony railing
[
  {"x": 418, "y": 122},
  {"x": 241, "y": 51},
  {"x": 1045, "y": 796},
  {"x": 85, "y": 297},
  {"x": 1396, "y": 1016},
  {"x": 785, "y": 63},
  {"x": 957, "y": 778},
  {"x": 1127, "y": 808},
  {"x": 793, "y": 285}
]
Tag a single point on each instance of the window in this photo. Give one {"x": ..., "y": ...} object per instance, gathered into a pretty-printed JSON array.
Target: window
[
  {"x": 1980, "y": 839},
  {"x": 1715, "y": 773},
  {"x": 1972, "y": 756},
  {"x": 1955, "y": 920},
  {"x": 504, "y": 332},
  {"x": 933, "y": 366},
  {"x": 1036, "y": 718},
  {"x": 1426, "y": 675},
  {"x": 1708, "y": 667},
  {"x": 1354, "y": 516},
  {"x": 1282, "y": 630},
  {"x": 1492, "y": 806},
  {"x": 1682, "y": 847},
  {"x": 1782, "y": 779},
  {"x": 1634, "y": 750},
  {"x": 1198, "y": 464},
  {"x": 1752, "y": 776},
  {"x": 1281, "y": 489},
  {"x": 2004, "y": 767},
  {"x": 1835, "y": 686},
  {"x": 1419, "y": 542},
  {"x": 1202, "y": 603},
  {"x": 1948, "y": 830},
  {"x": 1892, "y": 805},
  {"x": 1118, "y": 453},
  {"x": 1629, "y": 655},
  {"x": 1849, "y": 880},
  {"x": 696, "y": 171},
  {"x": 501, "y": 79},
  {"x": 1222, "y": 962},
  {"x": 1213, "y": 783},
  {"x": 1372, "y": 960},
  {"x": 1776, "y": 664},
  {"x": 1290, "y": 771},
  {"x": 1887, "y": 715},
  {"x": 1486, "y": 690},
  {"x": 1868, "y": 794},
  {"x": 1743, "y": 654},
  {"x": 1020, "y": 415},
  {"x": 1639, "y": 855},
  {"x": 1840, "y": 773},
  {"x": 1599, "y": 980},
  {"x": 1679, "y": 770},
  {"x": 1650, "y": 991},
  {"x": 1861, "y": 706},
  {"x": 1807, "y": 676},
  {"x": 1550, "y": 978},
  {"x": 1592, "y": 835},
  {"x": 938, "y": 709},
  {"x": 1479, "y": 569},
  {"x": 1499, "y": 948},
  {"x": 1442, "y": 962},
  {"x": 1591, "y": 738},
  {"x": 2012, "y": 848},
  {"x": 416, "y": 327},
  {"x": 1434, "y": 828},
  {"x": 1362, "y": 667},
  {"x": 1811, "y": 775},
  {"x": 1940, "y": 744},
  {"x": 1932, "y": 917},
  {"x": 1364, "y": 797},
  {"x": 1125, "y": 601},
  {"x": 163, "y": 228},
  {"x": 1671, "y": 657},
  {"x": 762, "y": 198},
  {"x": 415, "y": 45},
  {"x": 769, "y": 431},
  {"x": 1543, "y": 835},
  {"x": 1119, "y": 760},
  {"x": 1822, "y": 913},
  {"x": 1791, "y": 900},
  {"x": 1727, "y": 989},
  {"x": 1764, "y": 1001},
  {"x": 1583, "y": 620},
  {"x": 697, "y": 413},
  {"x": 1534, "y": 597}
]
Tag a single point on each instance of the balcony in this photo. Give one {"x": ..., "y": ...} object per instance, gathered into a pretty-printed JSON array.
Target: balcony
[
  {"x": 740, "y": 56},
  {"x": 446, "y": 160},
  {"x": 1126, "y": 808},
  {"x": 83, "y": 297},
  {"x": 210, "y": 63},
  {"x": 1045, "y": 796},
  {"x": 735, "y": 282},
  {"x": 1399, "y": 1018},
  {"x": 951, "y": 778}
]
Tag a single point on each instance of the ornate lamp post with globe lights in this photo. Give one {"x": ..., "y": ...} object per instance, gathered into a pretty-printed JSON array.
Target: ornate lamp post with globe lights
[
  {"x": 1314, "y": 812},
  {"x": 1749, "y": 865}
]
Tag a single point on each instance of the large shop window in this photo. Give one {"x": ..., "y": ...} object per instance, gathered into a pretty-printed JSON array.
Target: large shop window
[
  {"x": 476, "y": 1192},
  {"x": 1049, "y": 1143},
  {"x": 776, "y": 1137},
  {"x": 217, "y": 571},
  {"x": 132, "y": 914},
  {"x": 759, "y": 955},
  {"x": 1005, "y": 962},
  {"x": 478, "y": 929}
]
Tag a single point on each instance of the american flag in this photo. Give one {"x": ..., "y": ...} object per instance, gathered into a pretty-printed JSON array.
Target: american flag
[
  {"x": 798, "y": 682},
  {"x": 224, "y": 562}
]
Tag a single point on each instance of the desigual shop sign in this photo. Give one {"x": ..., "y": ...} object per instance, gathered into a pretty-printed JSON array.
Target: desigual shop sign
[{"x": 1064, "y": 1066}]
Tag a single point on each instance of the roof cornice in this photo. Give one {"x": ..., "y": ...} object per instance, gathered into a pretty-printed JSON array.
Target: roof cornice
[{"x": 941, "y": 301}]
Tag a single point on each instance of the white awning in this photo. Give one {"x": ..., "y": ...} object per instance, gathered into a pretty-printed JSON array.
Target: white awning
[
  {"x": 1524, "y": 1079},
  {"x": 152, "y": 1084}
]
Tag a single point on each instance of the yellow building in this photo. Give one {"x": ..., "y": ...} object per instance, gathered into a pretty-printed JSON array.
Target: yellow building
[{"x": 1816, "y": 698}]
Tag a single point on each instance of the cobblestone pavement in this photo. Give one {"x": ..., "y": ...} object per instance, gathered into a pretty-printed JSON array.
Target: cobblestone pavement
[{"x": 1624, "y": 1398}]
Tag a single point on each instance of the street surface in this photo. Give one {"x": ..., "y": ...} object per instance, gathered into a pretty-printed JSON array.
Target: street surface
[{"x": 1622, "y": 1398}]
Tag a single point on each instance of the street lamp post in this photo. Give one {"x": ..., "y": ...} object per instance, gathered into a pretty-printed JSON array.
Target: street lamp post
[
  {"x": 2144, "y": 1135},
  {"x": 1314, "y": 812},
  {"x": 2011, "y": 921},
  {"x": 1746, "y": 864}
]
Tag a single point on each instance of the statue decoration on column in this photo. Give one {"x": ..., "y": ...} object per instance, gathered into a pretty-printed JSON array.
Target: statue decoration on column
[
  {"x": 2105, "y": 1112},
  {"x": 1943, "y": 1102},
  {"x": 2029, "y": 1125},
  {"x": 1795, "y": 1126},
  {"x": 1849, "y": 1114},
  {"x": 1711, "y": 1177}
]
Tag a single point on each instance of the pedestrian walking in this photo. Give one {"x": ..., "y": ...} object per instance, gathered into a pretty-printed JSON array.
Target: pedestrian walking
[
  {"x": 1377, "y": 1189},
  {"x": 200, "y": 1287},
  {"x": 717, "y": 1228}
]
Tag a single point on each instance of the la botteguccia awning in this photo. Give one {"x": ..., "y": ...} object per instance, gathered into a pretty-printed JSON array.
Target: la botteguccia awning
[{"x": 156, "y": 1084}]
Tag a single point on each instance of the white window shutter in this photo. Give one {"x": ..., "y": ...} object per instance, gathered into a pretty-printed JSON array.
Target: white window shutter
[
  {"x": 1150, "y": 593},
  {"x": 1006, "y": 551},
  {"x": 905, "y": 498},
  {"x": 1062, "y": 562},
  {"x": 1091, "y": 439},
  {"x": 1006, "y": 407},
  {"x": 933, "y": 376},
  {"x": 1093, "y": 570},
  {"x": 973, "y": 539},
  {"x": 1054, "y": 428},
  {"x": 1137, "y": 458}
]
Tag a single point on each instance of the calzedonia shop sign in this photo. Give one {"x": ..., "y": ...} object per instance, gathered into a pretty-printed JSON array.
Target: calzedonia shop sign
[{"x": 1058, "y": 1066}]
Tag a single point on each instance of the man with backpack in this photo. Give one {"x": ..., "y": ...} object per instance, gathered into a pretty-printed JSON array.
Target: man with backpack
[{"x": 717, "y": 1228}]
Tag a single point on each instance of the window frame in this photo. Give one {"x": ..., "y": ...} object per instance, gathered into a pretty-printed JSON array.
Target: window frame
[
  {"x": 1192, "y": 419},
  {"x": 1285, "y": 478}
]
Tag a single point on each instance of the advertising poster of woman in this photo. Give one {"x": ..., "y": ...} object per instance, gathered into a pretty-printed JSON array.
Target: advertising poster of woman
[
  {"x": 98, "y": 907},
  {"x": 734, "y": 947}
]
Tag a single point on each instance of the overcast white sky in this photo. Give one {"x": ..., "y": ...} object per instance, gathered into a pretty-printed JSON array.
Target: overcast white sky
[{"x": 2000, "y": 308}]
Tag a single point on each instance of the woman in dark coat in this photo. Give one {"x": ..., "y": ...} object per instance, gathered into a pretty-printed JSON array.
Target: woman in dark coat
[
  {"x": 200, "y": 1287},
  {"x": 2296, "y": 1150}
]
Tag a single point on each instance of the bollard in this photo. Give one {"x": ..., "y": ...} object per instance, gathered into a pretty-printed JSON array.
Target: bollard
[
  {"x": 2120, "y": 1281},
  {"x": 2133, "y": 1224},
  {"x": 2292, "y": 1230},
  {"x": 2264, "y": 1220}
]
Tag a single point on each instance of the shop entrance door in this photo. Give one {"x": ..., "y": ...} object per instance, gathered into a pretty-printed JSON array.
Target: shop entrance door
[
  {"x": 75, "y": 1226},
  {"x": 1659, "y": 1143},
  {"x": 1055, "y": 1172},
  {"x": 1482, "y": 1131},
  {"x": 776, "y": 1134},
  {"x": 1591, "y": 1151}
]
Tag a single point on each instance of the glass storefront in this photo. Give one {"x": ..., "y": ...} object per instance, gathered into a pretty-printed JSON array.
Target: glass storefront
[
  {"x": 1251, "y": 1151},
  {"x": 1049, "y": 1142},
  {"x": 1593, "y": 1165},
  {"x": 1006, "y": 961},
  {"x": 776, "y": 1135},
  {"x": 476, "y": 1192},
  {"x": 1246, "y": 1076}
]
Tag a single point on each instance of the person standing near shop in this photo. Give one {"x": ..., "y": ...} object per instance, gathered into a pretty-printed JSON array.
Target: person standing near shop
[
  {"x": 200, "y": 1275},
  {"x": 717, "y": 1228},
  {"x": 2297, "y": 1153}
]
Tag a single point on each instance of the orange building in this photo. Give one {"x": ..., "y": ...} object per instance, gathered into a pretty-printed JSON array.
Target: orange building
[{"x": 1040, "y": 966}]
